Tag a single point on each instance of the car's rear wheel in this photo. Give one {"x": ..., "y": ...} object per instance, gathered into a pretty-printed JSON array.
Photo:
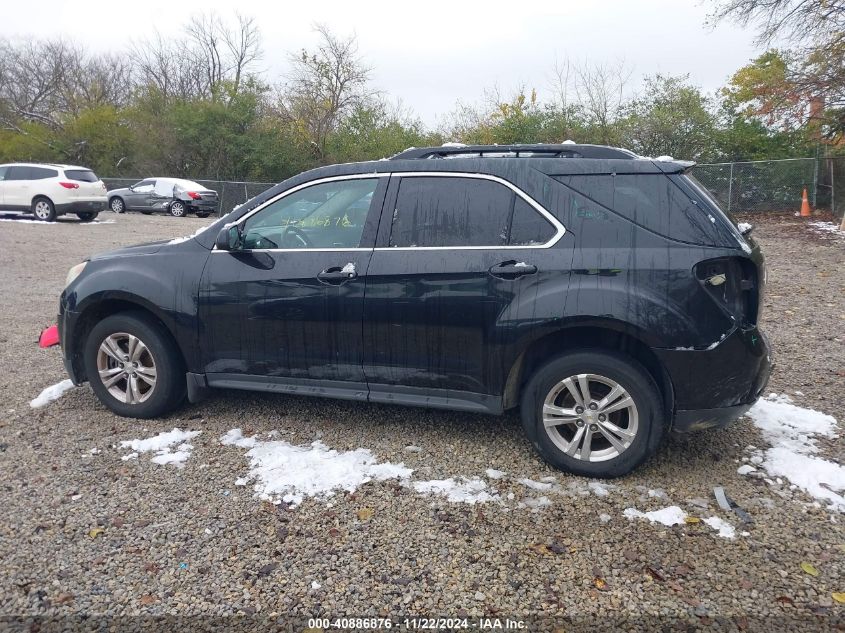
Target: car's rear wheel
[
  {"x": 133, "y": 366},
  {"x": 177, "y": 209},
  {"x": 87, "y": 216},
  {"x": 44, "y": 210},
  {"x": 116, "y": 204},
  {"x": 593, "y": 413}
]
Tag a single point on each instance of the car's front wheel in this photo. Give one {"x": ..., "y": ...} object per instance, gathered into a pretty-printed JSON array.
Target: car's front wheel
[
  {"x": 593, "y": 413},
  {"x": 177, "y": 209},
  {"x": 133, "y": 366},
  {"x": 116, "y": 205}
]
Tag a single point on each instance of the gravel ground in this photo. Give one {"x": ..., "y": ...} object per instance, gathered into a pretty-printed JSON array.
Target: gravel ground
[{"x": 190, "y": 542}]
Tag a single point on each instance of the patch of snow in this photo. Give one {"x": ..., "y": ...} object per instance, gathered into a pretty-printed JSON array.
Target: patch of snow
[
  {"x": 725, "y": 529},
  {"x": 162, "y": 445},
  {"x": 315, "y": 584},
  {"x": 51, "y": 393},
  {"x": 715, "y": 344},
  {"x": 413, "y": 449},
  {"x": 535, "y": 485},
  {"x": 744, "y": 226},
  {"x": 282, "y": 471},
  {"x": 126, "y": 458},
  {"x": 827, "y": 227},
  {"x": 457, "y": 490},
  {"x": 536, "y": 504},
  {"x": 665, "y": 158},
  {"x": 791, "y": 431},
  {"x": 568, "y": 141},
  {"x": 492, "y": 473},
  {"x": 658, "y": 493},
  {"x": 520, "y": 265},
  {"x": 452, "y": 144},
  {"x": 349, "y": 269},
  {"x": 235, "y": 437},
  {"x": 599, "y": 488},
  {"x": 605, "y": 518},
  {"x": 669, "y": 516},
  {"x": 746, "y": 469}
]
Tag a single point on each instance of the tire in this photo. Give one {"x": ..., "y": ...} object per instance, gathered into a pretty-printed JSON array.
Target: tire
[
  {"x": 117, "y": 205},
  {"x": 602, "y": 370},
  {"x": 159, "y": 353},
  {"x": 87, "y": 216},
  {"x": 178, "y": 209},
  {"x": 203, "y": 215},
  {"x": 43, "y": 209}
]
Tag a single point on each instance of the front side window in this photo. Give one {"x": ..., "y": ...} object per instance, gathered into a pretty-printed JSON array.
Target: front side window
[
  {"x": 327, "y": 215},
  {"x": 17, "y": 173},
  {"x": 3, "y": 172},
  {"x": 145, "y": 186},
  {"x": 456, "y": 211}
]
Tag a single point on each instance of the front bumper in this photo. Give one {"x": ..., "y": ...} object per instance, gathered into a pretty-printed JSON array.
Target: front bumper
[
  {"x": 714, "y": 386},
  {"x": 66, "y": 323}
]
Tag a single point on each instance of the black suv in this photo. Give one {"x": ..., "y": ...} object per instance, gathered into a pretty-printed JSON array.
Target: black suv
[{"x": 605, "y": 295}]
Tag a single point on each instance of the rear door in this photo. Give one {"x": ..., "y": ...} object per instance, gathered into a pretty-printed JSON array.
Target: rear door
[
  {"x": 450, "y": 284},
  {"x": 287, "y": 307},
  {"x": 17, "y": 193}
]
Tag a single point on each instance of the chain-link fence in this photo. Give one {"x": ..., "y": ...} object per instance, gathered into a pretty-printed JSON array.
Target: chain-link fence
[
  {"x": 776, "y": 185},
  {"x": 768, "y": 185},
  {"x": 231, "y": 194}
]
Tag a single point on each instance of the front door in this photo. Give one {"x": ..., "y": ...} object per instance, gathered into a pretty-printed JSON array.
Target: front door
[
  {"x": 450, "y": 287},
  {"x": 138, "y": 197},
  {"x": 286, "y": 307}
]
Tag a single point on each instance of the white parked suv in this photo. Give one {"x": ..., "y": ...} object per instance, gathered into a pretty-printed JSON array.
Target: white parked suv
[{"x": 48, "y": 191}]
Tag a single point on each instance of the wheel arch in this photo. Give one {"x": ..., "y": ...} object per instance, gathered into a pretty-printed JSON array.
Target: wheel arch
[
  {"x": 96, "y": 310},
  {"x": 605, "y": 334},
  {"x": 41, "y": 196}
]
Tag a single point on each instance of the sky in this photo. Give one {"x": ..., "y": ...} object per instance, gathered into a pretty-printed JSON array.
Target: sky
[{"x": 432, "y": 54}]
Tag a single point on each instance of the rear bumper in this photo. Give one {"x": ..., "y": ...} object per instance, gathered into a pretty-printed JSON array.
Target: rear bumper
[
  {"x": 714, "y": 386},
  {"x": 81, "y": 206},
  {"x": 202, "y": 206}
]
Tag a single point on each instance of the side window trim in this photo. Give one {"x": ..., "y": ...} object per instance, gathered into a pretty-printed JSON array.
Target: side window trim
[{"x": 390, "y": 204}]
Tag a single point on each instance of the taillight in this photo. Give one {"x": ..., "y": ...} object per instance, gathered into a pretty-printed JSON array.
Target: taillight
[
  {"x": 194, "y": 195},
  {"x": 733, "y": 283},
  {"x": 69, "y": 185}
]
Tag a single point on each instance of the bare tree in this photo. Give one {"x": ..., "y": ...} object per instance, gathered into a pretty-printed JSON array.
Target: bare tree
[
  {"x": 325, "y": 85},
  {"x": 212, "y": 59},
  {"x": 601, "y": 92},
  {"x": 797, "y": 20}
]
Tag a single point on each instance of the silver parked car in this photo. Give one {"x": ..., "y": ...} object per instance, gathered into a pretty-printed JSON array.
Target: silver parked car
[{"x": 173, "y": 195}]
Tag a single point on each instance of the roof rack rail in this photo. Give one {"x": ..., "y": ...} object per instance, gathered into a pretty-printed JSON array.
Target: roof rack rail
[{"x": 566, "y": 150}]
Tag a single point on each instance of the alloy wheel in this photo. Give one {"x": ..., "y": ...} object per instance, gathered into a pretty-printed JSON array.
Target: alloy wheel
[
  {"x": 117, "y": 205},
  {"x": 177, "y": 209},
  {"x": 126, "y": 367},
  {"x": 590, "y": 417},
  {"x": 42, "y": 210}
]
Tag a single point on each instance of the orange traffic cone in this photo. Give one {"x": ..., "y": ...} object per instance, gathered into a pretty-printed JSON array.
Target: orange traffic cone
[{"x": 805, "y": 205}]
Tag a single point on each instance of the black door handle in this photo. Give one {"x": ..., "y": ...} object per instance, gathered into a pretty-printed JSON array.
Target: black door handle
[
  {"x": 512, "y": 270},
  {"x": 337, "y": 275}
]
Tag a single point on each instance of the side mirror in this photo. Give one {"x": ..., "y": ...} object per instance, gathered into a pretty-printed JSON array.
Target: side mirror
[
  {"x": 131, "y": 187},
  {"x": 228, "y": 239}
]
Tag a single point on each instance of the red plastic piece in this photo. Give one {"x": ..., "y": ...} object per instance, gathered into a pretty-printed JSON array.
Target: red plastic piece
[{"x": 49, "y": 337}]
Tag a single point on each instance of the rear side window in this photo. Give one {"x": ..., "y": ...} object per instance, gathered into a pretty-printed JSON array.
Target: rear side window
[
  {"x": 454, "y": 211},
  {"x": 41, "y": 173},
  {"x": 652, "y": 201},
  {"x": 81, "y": 175}
]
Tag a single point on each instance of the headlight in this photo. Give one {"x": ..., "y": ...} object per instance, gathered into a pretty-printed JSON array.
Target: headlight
[{"x": 74, "y": 272}]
